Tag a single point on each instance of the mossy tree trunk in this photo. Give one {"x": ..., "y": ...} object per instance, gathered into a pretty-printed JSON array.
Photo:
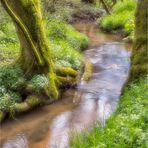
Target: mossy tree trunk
[
  {"x": 139, "y": 56},
  {"x": 36, "y": 55}
]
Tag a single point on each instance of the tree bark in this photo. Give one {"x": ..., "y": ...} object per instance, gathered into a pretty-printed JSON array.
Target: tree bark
[
  {"x": 139, "y": 56},
  {"x": 36, "y": 55}
]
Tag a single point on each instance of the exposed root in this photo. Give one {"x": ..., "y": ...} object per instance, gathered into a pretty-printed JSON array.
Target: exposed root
[
  {"x": 67, "y": 81},
  {"x": 67, "y": 71}
]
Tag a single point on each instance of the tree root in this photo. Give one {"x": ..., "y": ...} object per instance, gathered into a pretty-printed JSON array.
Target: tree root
[
  {"x": 31, "y": 102},
  {"x": 67, "y": 71},
  {"x": 66, "y": 81},
  {"x": 65, "y": 77}
]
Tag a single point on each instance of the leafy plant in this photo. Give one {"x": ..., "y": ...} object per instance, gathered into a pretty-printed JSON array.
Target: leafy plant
[
  {"x": 121, "y": 19},
  {"x": 127, "y": 5},
  {"x": 38, "y": 82}
]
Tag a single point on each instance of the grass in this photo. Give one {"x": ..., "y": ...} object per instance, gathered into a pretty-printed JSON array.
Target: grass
[
  {"x": 127, "y": 126},
  {"x": 122, "y": 18}
]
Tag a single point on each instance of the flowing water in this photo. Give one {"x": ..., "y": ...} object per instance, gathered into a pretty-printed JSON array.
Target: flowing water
[{"x": 52, "y": 125}]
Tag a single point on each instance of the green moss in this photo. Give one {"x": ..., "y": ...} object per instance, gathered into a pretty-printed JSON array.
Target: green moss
[
  {"x": 66, "y": 81},
  {"x": 33, "y": 101},
  {"x": 52, "y": 87},
  {"x": 67, "y": 71}
]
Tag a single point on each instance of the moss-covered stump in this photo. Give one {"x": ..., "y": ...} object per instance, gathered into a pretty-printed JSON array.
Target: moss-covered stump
[{"x": 140, "y": 49}]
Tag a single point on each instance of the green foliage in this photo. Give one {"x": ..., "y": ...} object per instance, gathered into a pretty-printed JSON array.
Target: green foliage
[
  {"x": 127, "y": 5},
  {"x": 11, "y": 78},
  {"x": 115, "y": 22},
  {"x": 38, "y": 82},
  {"x": 127, "y": 127},
  {"x": 66, "y": 43},
  {"x": 122, "y": 18}
]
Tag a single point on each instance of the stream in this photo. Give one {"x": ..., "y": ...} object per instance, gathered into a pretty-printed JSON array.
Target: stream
[{"x": 80, "y": 108}]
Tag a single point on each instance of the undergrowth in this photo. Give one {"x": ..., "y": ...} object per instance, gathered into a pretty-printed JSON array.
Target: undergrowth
[
  {"x": 127, "y": 126},
  {"x": 13, "y": 84},
  {"x": 122, "y": 18},
  {"x": 66, "y": 43}
]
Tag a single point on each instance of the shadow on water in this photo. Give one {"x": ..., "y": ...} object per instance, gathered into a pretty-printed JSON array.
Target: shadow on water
[{"x": 52, "y": 125}]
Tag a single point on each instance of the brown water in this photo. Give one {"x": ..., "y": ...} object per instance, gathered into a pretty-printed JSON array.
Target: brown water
[
  {"x": 96, "y": 36},
  {"x": 52, "y": 125}
]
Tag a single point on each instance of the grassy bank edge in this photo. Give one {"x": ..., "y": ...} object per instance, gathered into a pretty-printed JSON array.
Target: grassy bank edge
[{"x": 126, "y": 128}]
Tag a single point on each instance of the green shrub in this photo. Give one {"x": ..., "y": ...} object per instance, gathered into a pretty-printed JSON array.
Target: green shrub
[
  {"x": 127, "y": 5},
  {"x": 121, "y": 19},
  {"x": 116, "y": 21},
  {"x": 58, "y": 30}
]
